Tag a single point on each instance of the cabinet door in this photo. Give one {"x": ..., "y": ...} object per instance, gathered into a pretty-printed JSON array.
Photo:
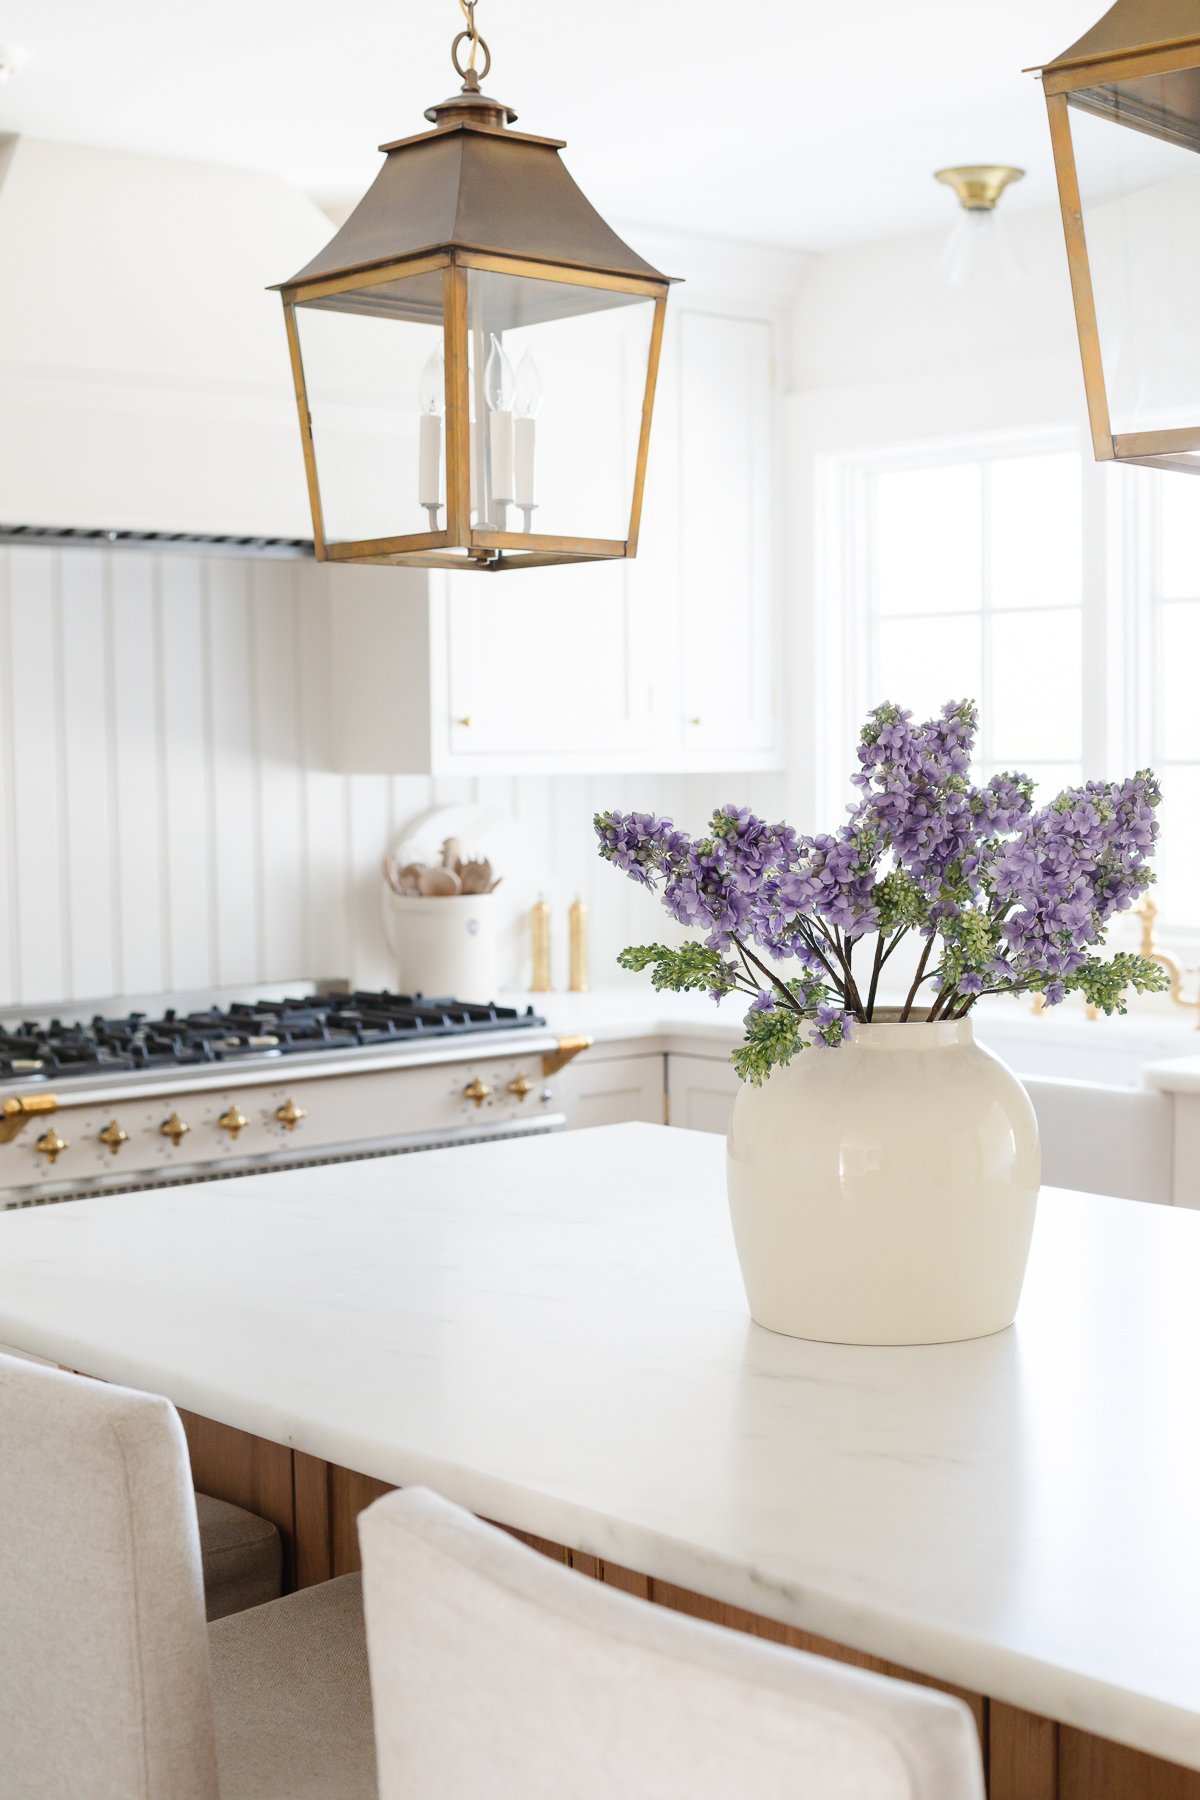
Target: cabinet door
[
  {"x": 726, "y": 478},
  {"x": 611, "y": 1091},
  {"x": 701, "y": 1091},
  {"x": 547, "y": 663}
]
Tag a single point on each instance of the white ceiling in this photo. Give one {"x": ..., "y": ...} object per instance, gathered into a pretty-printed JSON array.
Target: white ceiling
[{"x": 789, "y": 122}]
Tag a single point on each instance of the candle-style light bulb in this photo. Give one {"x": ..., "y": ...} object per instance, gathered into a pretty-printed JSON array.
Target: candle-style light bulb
[
  {"x": 431, "y": 389},
  {"x": 527, "y": 405},
  {"x": 431, "y": 398},
  {"x": 498, "y": 382},
  {"x": 499, "y": 387}
]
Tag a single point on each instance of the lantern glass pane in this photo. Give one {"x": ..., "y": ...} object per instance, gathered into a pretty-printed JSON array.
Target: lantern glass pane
[
  {"x": 558, "y": 376},
  {"x": 375, "y": 377},
  {"x": 1139, "y": 178}
]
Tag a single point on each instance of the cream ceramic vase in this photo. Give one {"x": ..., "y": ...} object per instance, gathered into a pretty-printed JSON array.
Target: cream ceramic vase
[{"x": 884, "y": 1192}]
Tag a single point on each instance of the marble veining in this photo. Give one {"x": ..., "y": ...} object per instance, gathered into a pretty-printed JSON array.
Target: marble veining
[{"x": 553, "y": 1333}]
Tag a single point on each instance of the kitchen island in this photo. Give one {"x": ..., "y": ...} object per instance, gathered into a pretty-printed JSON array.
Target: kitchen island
[{"x": 553, "y": 1333}]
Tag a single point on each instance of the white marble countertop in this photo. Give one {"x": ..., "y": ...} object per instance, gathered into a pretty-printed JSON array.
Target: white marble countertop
[
  {"x": 553, "y": 1333},
  {"x": 1177, "y": 1075}
]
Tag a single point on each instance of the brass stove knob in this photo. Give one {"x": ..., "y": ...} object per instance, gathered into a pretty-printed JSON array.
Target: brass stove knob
[
  {"x": 290, "y": 1115},
  {"x": 113, "y": 1136},
  {"x": 477, "y": 1090},
  {"x": 233, "y": 1121},
  {"x": 51, "y": 1145},
  {"x": 520, "y": 1086},
  {"x": 175, "y": 1128}
]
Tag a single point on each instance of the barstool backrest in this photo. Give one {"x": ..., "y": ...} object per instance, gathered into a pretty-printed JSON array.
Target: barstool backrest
[
  {"x": 104, "y": 1685},
  {"x": 496, "y": 1672}
]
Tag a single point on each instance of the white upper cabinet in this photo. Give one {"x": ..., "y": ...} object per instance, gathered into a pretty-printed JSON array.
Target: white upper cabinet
[
  {"x": 726, "y": 480},
  {"x": 664, "y": 661},
  {"x": 548, "y": 660}
]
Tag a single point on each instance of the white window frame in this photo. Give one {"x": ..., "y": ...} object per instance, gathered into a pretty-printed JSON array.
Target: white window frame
[
  {"x": 1121, "y": 602},
  {"x": 844, "y": 585},
  {"x": 1137, "y": 571}
]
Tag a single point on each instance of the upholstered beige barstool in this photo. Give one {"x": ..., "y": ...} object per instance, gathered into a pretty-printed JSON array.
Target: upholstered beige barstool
[
  {"x": 497, "y": 1673},
  {"x": 112, "y": 1687},
  {"x": 241, "y": 1557},
  {"x": 240, "y": 1553}
]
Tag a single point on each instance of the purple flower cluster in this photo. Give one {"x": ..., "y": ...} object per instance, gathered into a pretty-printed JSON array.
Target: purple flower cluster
[
  {"x": 1009, "y": 899},
  {"x": 1059, "y": 881}
]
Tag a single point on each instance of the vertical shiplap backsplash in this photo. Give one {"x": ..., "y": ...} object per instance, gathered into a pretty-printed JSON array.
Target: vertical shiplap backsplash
[{"x": 168, "y": 812}]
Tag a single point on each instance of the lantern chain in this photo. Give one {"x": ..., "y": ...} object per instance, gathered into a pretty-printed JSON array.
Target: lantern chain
[{"x": 471, "y": 76}]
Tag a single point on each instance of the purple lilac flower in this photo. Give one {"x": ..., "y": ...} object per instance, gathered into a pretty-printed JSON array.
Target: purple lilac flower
[{"x": 1020, "y": 899}]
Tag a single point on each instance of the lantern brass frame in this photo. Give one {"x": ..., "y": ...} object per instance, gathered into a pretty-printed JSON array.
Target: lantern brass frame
[
  {"x": 486, "y": 549},
  {"x": 1134, "y": 38},
  {"x": 472, "y": 195}
]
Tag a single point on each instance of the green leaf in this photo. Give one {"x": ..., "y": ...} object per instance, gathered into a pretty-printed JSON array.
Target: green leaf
[
  {"x": 690, "y": 968},
  {"x": 772, "y": 1039}
]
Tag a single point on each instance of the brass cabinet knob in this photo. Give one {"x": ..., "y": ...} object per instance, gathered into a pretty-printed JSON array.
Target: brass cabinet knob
[
  {"x": 465, "y": 722},
  {"x": 113, "y": 1136},
  {"x": 175, "y": 1128},
  {"x": 520, "y": 1086},
  {"x": 233, "y": 1121},
  {"x": 51, "y": 1145},
  {"x": 290, "y": 1115},
  {"x": 695, "y": 721},
  {"x": 477, "y": 1090}
]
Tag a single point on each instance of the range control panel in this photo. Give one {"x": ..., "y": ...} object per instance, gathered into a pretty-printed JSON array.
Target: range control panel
[{"x": 57, "y": 1146}]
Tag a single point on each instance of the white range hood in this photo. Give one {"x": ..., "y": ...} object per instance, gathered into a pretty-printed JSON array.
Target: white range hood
[{"x": 144, "y": 378}]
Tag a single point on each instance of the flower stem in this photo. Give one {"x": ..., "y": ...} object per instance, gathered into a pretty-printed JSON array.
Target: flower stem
[
  {"x": 875, "y": 973},
  {"x": 775, "y": 980},
  {"x": 926, "y": 953}
]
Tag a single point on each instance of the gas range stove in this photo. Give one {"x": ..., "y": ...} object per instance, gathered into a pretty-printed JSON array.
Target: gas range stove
[
  {"x": 307, "y": 1025},
  {"x": 183, "y": 1091}
]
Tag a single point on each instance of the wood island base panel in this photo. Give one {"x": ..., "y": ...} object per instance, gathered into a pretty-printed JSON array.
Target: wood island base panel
[{"x": 315, "y": 1506}]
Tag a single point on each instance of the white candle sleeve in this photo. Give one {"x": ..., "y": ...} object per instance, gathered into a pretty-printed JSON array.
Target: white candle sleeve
[
  {"x": 525, "y": 430},
  {"x": 429, "y": 475},
  {"x": 501, "y": 440}
]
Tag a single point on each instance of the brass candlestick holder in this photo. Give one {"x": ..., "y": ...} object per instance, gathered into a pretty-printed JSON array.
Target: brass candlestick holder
[
  {"x": 539, "y": 931},
  {"x": 577, "y": 980}
]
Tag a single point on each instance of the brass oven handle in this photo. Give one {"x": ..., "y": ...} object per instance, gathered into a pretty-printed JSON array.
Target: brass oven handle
[
  {"x": 15, "y": 1114},
  {"x": 520, "y": 1086},
  {"x": 290, "y": 1115},
  {"x": 175, "y": 1128},
  {"x": 232, "y": 1121},
  {"x": 113, "y": 1136},
  {"x": 567, "y": 1048},
  {"x": 51, "y": 1145},
  {"x": 476, "y": 1090}
]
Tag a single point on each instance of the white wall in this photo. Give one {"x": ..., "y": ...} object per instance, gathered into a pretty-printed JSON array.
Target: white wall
[{"x": 168, "y": 817}]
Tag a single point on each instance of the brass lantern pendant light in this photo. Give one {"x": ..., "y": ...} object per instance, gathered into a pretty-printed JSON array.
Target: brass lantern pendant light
[
  {"x": 1124, "y": 106},
  {"x": 475, "y": 354}
]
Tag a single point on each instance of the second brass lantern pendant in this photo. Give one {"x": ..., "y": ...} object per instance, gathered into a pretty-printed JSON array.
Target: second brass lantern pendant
[
  {"x": 1124, "y": 106},
  {"x": 475, "y": 355}
]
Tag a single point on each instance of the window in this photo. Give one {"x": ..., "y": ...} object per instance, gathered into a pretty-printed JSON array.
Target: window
[
  {"x": 976, "y": 587},
  {"x": 1166, "y": 524},
  {"x": 1063, "y": 596}
]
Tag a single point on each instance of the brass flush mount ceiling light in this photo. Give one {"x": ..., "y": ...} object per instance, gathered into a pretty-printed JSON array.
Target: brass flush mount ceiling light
[
  {"x": 1124, "y": 106},
  {"x": 979, "y": 185},
  {"x": 974, "y": 248},
  {"x": 475, "y": 354}
]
